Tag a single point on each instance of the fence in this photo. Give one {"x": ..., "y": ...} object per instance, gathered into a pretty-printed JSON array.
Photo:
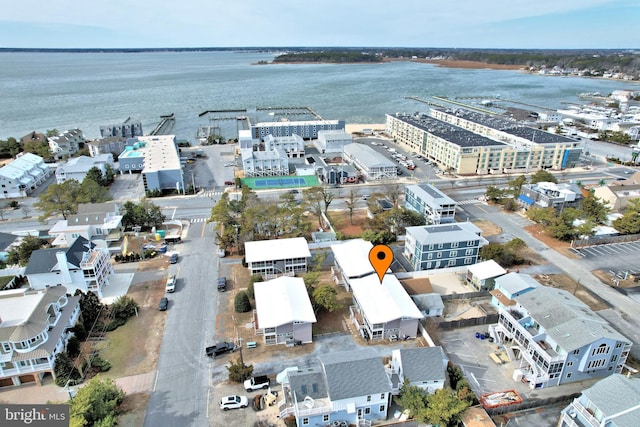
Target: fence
[
  {"x": 603, "y": 240},
  {"x": 475, "y": 321},
  {"x": 533, "y": 404},
  {"x": 466, "y": 295}
]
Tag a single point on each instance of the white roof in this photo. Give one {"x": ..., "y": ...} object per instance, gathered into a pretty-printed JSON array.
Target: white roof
[
  {"x": 281, "y": 301},
  {"x": 277, "y": 249},
  {"x": 487, "y": 269},
  {"x": 382, "y": 303},
  {"x": 353, "y": 257},
  {"x": 160, "y": 153}
]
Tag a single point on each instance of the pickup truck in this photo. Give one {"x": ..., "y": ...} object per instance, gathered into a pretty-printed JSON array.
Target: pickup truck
[
  {"x": 255, "y": 383},
  {"x": 219, "y": 349},
  {"x": 171, "y": 283}
]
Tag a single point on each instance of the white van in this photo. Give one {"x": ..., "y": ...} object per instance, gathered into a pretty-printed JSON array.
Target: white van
[{"x": 171, "y": 283}]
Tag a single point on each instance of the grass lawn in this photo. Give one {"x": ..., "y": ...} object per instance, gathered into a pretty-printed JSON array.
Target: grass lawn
[
  {"x": 340, "y": 222},
  {"x": 4, "y": 280}
]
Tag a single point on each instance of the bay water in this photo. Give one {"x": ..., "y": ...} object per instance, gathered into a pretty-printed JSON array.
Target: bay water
[{"x": 40, "y": 91}]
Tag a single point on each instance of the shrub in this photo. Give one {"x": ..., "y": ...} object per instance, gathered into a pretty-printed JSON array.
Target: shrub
[
  {"x": 100, "y": 364},
  {"x": 65, "y": 371},
  {"x": 238, "y": 371},
  {"x": 79, "y": 331},
  {"x": 114, "y": 324},
  {"x": 254, "y": 278},
  {"x": 73, "y": 347},
  {"x": 123, "y": 308},
  {"x": 290, "y": 421},
  {"x": 241, "y": 302}
]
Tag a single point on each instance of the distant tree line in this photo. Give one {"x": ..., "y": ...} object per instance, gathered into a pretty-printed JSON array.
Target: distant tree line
[{"x": 328, "y": 57}]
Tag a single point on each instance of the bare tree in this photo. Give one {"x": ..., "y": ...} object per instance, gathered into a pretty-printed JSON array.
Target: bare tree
[
  {"x": 25, "y": 210},
  {"x": 2, "y": 214},
  {"x": 352, "y": 198},
  {"x": 393, "y": 193}
]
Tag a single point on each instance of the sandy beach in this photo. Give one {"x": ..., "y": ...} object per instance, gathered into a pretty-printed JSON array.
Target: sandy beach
[
  {"x": 357, "y": 127},
  {"x": 448, "y": 63}
]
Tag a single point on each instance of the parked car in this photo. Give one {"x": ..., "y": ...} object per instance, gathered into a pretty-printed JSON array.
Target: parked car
[
  {"x": 173, "y": 258},
  {"x": 257, "y": 382},
  {"x": 233, "y": 402},
  {"x": 164, "y": 304},
  {"x": 219, "y": 349},
  {"x": 222, "y": 284},
  {"x": 229, "y": 183},
  {"x": 171, "y": 283},
  {"x": 294, "y": 191}
]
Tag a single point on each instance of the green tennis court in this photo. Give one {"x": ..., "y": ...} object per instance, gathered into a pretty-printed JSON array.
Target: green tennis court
[{"x": 264, "y": 182}]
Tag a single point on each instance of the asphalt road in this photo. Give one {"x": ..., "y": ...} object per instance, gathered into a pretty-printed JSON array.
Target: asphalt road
[{"x": 181, "y": 391}]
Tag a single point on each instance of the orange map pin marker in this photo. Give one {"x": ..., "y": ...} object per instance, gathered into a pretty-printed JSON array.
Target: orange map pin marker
[{"x": 381, "y": 257}]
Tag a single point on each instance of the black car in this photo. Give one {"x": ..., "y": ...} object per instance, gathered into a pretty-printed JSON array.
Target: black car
[
  {"x": 294, "y": 191},
  {"x": 222, "y": 284},
  {"x": 219, "y": 349},
  {"x": 164, "y": 303}
]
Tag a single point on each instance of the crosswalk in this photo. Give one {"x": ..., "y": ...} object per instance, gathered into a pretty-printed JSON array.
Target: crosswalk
[
  {"x": 196, "y": 220},
  {"x": 210, "y": 194},
  {"x": 469, "y": 202}
]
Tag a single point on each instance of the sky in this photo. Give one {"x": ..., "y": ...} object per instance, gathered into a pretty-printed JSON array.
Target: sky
[{"x": 538, "y": 24}]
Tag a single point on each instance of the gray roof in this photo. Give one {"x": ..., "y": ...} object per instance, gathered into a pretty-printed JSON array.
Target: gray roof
[
  {"x": 308, "y": 382},
  {"x": 516, "y": 282},
  {"x": 352, "y": 374},
  {"x": 423, "y": 364},
  {"x": 511, "y": 127},
  {"x": 430, "y": 194},
  {"x": 367, "y": 156},
  {"x": 6, "y": 239},
  {"x": 428, "y": 301},
  {"x": 91, "y": 213},
  {"x": 614, "y": 395},
  {"x": 444, "y": 233},
  {"x": 43, "y": 260},
  {"x": 566, "y": 319},
  {"x": 453, "y": 134}
]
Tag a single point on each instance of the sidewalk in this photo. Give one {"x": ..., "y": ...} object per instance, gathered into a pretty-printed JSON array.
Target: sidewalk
[{"x": 49, "y": 392}]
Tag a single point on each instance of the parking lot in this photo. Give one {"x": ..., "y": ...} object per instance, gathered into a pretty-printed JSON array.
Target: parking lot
[
  {"x": 615, "y": 256},
  {"x": 485, "y": 375}
]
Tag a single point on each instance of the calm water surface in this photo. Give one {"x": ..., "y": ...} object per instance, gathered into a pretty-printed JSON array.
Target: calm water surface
[{"x": 40, "y": 91}]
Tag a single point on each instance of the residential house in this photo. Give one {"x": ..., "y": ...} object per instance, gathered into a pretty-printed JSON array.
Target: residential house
[
  {"x": 611, "y": 402},
  {"x": 371, "y": 164},
  {"x": 616, "y": 197},
  {"x": 443, "y": 245},
  {"x": 383, "y": 310},
  {"x": 292, "y": 145},
  {"x": 283, "y": 313},
  {"x": 34, "y": 329},
  {"x": 332, "y": 141},
  {"x": 550, "y": 194},
  {"x": 483, "y": 274},
  {"x": 112, "y": 145},
  {"x": 66, "y": 144},
  {"x": 430, "y": 305},
  {"x": 82, "y": 266},
  {"x": 94, "y": 221},
  {"x": 278, "y": 256},
  {"x": 433, "y": 204},
  {"x": 424, "y": 367},
  {"x": 510, "y": 286},
  {"x": 157, "y": 159},
  {"x": 23, "y": 175},
  {"x": 351, "y": 261},
  {"x": 558, "y": 339},
  {"x": 33, "y": 137},
  {"x": 78, "y": 167},
  {"x": 351, "y": 387}
]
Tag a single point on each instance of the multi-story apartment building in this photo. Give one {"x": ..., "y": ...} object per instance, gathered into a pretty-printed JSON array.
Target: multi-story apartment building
[
  {"x": 66, "y": 144},
  {"x": 464, "y": 147},
  {"x": 443, "y": 245},
  {"x": 271, "y": 258},
  {"x": 306, "y": 129},
  {"x": 292, "y": 145},
  {"x": 273, "y": 162},
  {"x": 611, "y": 402},
  {"x": 111, "y": 145},
  {"x": 558, "y": 339},
  {"x": 34, "y": 329},
  {"x": 433, "y": 204},
  {"x": 127, "y": 129}
]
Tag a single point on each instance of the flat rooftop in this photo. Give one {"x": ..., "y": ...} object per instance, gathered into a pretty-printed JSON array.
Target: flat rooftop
[{"x": 453, "y": 134}]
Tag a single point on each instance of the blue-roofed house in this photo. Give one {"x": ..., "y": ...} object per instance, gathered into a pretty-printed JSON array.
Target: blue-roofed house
[
  {"x": 611, "y": 402},
  {"x": 443, "y": 245},
  {"x": 347, "y": 386}
]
